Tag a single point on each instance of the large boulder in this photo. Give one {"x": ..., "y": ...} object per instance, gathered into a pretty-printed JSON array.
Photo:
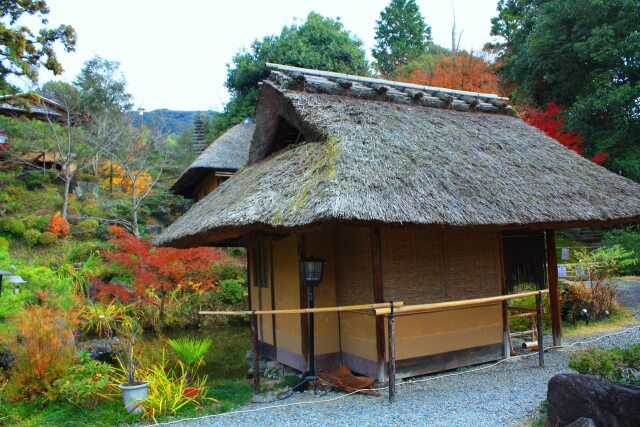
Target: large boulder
[
  {"x": 103, "y": 349},
  {"x": 575, "y": 396}
]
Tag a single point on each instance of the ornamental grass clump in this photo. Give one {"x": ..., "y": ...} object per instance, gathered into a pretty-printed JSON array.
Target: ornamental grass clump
[
  {"x": 191, "y": 351},
  {"x": 102, "y": 319},
  {"x": 44, "y": 352}
]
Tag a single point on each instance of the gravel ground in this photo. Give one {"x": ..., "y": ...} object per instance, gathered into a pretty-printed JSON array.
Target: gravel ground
[{"x": 507, "y": 394}]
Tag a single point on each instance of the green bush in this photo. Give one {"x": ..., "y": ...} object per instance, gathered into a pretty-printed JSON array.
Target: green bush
[
  {"x": 102, "y": 232},
  {"x": 4, "y": 243},
  {"x": 85, "y": 382},
  {"x": 629, "y": 238},
  {"x": 42, "y": 222},
  {"x": 12, "y": 226},
  {"x": 232, "y": 270},
  {"x": 32, "y": 237},
  {"x": 30, "y": 221},
  {"x": 617, "y": 365},
  {"x": 87, "y": 177},
  {"x": 82, "y": 252},
  {"x": 92, "y": 209},
  {"x": 85, "y": 228},
  {"x": 231, "y": 291},
  {"x": 35, "y": 180},
  {"x": 48, "y": 238}
]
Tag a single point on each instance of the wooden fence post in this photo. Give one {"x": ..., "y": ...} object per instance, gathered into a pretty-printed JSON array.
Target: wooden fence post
[
  {"x": 540, "y": 331},
  {"x": 392, "y": 356},
  {"x": 254, "y": 352}
]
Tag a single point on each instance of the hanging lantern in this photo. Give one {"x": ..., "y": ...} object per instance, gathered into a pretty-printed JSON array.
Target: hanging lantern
[{"x": 311, "y": 269}]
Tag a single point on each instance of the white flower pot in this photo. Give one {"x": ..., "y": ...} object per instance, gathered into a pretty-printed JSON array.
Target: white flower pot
[{"x": 133, "y": 395}]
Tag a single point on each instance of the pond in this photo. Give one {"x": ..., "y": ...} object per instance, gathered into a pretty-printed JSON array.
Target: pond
[{"x": 224, "y": 361}]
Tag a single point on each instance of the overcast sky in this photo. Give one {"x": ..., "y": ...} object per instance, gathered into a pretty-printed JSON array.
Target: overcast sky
[{"x": 174, "y": 53}]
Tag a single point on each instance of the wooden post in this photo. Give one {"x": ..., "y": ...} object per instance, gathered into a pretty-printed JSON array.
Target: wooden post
[
  {"x": 540, "y": 332},
  {"x": 378, "y": 296},
  {"x": 554, "y": 294},
  {"x": 392, "y": 356},
  {"x": 254, "y": 352}
]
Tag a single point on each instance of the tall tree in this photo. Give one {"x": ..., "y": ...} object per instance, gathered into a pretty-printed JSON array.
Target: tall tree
[
  {"x": 103, "y": 86},
  {"x": 401, "y": 36},
  {"x": 460, "y": 70},
  {"x": 319, "y": 42},
  {"x": 21, "y": 51},
  {"x": 584, "y": 54}
]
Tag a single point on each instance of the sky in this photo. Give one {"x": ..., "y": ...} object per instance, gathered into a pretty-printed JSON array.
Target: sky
[{"x": 174, "y": 53}]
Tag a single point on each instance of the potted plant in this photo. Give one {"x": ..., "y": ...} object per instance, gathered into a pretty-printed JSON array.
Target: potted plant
[{"x": 134, "y": 392}]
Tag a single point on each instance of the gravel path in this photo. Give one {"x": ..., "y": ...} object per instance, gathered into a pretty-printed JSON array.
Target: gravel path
[{"x": 507, "y": 394}]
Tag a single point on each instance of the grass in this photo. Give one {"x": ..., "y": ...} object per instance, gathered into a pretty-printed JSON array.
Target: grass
[
  {"x": 230, "y": 393},
  {"x": 543, "y": 415},
  {"x": 621, "y": 318}
]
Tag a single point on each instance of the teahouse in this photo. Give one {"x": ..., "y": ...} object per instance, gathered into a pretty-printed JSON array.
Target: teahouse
[
  {"x": 217, "y": 163},
  {"x": 411, "y": 193}
]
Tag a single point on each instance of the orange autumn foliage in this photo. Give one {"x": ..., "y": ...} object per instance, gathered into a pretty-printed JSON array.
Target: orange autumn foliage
[
  {"x": 120, "y": 179},
  {"x": 58, "y": 225},
  {"x": 45, "y": 351},
  {"x": 462, "y": 71}
]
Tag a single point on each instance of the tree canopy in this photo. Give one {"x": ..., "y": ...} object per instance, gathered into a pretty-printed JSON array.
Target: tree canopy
[
  {"x": 319, "y": 42},
  {"x": 401, "y": 36},
  {"x": 584, "y": 54},
  {"x": 22, "y": 51}
]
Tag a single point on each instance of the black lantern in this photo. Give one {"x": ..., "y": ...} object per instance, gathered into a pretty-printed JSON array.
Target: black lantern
[
  {"x": 2, "y": 274},
  {"x": 311, "y": 269}
]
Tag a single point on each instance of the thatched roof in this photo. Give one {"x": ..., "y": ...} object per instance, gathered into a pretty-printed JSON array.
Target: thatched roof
[
  {"x": 228, "y": 153},
  {"x": 380, "y": 158}
]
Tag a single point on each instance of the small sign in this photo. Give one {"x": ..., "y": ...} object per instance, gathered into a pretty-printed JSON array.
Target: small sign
[
  {"x": 562, "y": 271},
  {"x": 565, "y": 254}
]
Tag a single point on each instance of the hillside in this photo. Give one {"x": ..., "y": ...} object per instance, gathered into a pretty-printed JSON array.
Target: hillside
[{"x": 172, "y": 122}]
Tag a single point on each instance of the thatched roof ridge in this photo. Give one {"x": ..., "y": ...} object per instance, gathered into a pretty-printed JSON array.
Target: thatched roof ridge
[
  {"x": 228, "y": 153},
  {"x": 372, "y": 161}
]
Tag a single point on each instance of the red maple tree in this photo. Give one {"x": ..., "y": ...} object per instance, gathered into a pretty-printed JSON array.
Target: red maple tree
[
  {"x": 551, "y": 121},
  {"x": 158, "y": 271}
]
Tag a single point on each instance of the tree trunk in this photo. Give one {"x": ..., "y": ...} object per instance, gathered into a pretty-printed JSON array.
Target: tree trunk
[
  {"x": 65, "y": 197},
  {"x": 134, "y": 209}
]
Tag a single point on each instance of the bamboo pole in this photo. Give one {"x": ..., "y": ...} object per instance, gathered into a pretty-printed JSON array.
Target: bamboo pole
[
  {"x": 304, "y": 310},
  {"x": 455, "y": 304}
]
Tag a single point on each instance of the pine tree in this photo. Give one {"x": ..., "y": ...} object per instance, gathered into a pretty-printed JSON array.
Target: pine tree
[{"x": 401, "y": 35}]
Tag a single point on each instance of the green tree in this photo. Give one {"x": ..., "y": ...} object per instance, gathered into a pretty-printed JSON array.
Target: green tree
[
  {"x": 319, "y": 42},
  {"x": 585, "y": 55},
  {"x": 103, "y": 86},
  {"x": 21, "y": 51},
  {"x": 401, "y": 36}
]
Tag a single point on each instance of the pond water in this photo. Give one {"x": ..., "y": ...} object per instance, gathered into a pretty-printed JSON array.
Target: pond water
[{"x": 225, "y": 359}]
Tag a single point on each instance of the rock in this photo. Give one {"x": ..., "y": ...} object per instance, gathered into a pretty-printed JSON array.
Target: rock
[
  {"x": 103, "y": 349},
  {"x": 582, "y": 422},
  {"x": 6, "y": 359},
  {"x": 262, "y": 361},
  {"x": 575, "y": 396}
]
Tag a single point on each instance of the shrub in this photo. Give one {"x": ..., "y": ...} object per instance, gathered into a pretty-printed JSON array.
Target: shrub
[
  {"x": 85, "y": 383},
  {"x": 35, "y": 180},
  {"x": 30, "y": 221},
  {"x": 12, "y": 226},
  {"x": 82, "y": 252},
  {"x": 86, "y": 177},
  {"x": 42, "y": 222},
  {"x": 4, "y": 243},
  {"x": 101, "y": 319},
  {"x": 92, "y": 209},
  {"x": 616, "y": 364},
  {"x": 596, "y": 297},
  {"x": 85, "y": 228},
  {"x": 32, "y": 237},
  {"x": 58, "y": 225},
  {"x": 191, "y": 351},
  {"x": 48, "y": 238},
  {"x": 231, "y": 269},
  {"x": 605, "y": 262},
  {"x": 46, "y": 351},
  {"x": 231, "y": 291},
  {"x": 629, "y": 239},
  {"x": 102, "y": 232}
]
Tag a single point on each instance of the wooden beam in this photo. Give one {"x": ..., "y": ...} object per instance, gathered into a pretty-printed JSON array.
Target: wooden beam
[
  {"x": 554, "y": 292},
  {"x": 339, "y": 308},
  {"x": 540, "y": 331},
  {"x": 304, "y": 303},
  {"x": 378, "y": 296},
  {"x": 456, "y": 304},
  {"x": 506, "y": 339},
  {"x": 392, "y": 356},
  {"x": 255, "y": 354},
  {"x": 273, "y": 298}
]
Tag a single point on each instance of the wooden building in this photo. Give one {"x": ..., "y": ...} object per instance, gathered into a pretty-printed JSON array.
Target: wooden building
[
  {"x": 217, "y": 163},
  {"x": 411, "y": 193},
  {"x": 32, "y": 106}
]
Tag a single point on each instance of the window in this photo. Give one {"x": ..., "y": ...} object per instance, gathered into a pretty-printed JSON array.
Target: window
[
  {"x": 259, "y": 266},
  {"x": 287, "y": 135}
]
